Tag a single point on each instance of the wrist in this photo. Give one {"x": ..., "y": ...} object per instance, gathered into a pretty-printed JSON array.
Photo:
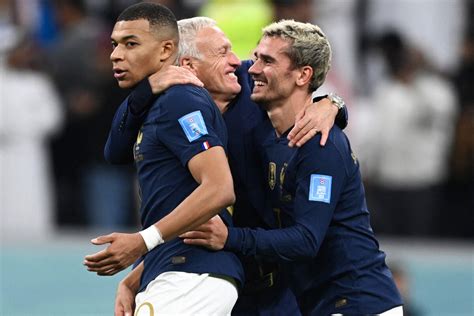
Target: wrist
[
  {"x": 336, "y": 100},
  {"x": 152, "y": 237},
  {"x": 132, "y": 285}
]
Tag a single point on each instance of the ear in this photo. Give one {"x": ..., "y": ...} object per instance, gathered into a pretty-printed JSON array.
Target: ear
[
  {"x": 304, "y": 75},
  {"x": 167, "y": 49},
  {"x": 188, "y": 63}
]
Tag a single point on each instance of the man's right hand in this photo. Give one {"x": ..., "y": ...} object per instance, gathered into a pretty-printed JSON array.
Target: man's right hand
[
  {"x": 123, "y": 250},
  {"x": 170, "y": 76}
]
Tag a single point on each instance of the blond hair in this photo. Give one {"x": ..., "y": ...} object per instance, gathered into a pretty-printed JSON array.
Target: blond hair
[{"x": 308, "y": 47}]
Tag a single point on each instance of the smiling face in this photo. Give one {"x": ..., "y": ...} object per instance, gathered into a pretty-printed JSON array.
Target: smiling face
[
  {"x": 136, "y": 52},
  {"x": 273, "y": 73},
  {"x": 217, "y": 64}
]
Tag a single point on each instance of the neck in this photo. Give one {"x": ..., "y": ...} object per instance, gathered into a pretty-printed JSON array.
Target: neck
[
  {"x": 282, "y": 114},
  {"x": 222, "y": 102},
  {"x": 222, "y": 105}
]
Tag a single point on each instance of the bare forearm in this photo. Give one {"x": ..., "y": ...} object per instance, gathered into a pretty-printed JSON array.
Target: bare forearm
[
  {"x": 201, "y": 205},
  {"x": 132, "y": 280}
]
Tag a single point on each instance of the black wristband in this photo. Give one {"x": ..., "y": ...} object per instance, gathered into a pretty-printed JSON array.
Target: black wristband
[{"x": 141, "y": 98}]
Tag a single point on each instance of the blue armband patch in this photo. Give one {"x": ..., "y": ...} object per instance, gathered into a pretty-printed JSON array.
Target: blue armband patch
[
  {"x": 193, "y": 125},
  {"x": 320, "y": 188}
]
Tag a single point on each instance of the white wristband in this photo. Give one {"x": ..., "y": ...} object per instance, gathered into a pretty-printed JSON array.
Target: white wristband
[{"x": 152, "y": 237}]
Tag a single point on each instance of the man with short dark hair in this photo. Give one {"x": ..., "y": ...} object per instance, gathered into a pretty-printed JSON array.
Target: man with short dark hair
[{"x": 183, "y": 175}]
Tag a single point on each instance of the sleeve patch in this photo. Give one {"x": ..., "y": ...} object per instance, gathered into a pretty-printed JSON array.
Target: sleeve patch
[
  {"x": 320, "y": 188},
  {"x": 193, "y": 125}
]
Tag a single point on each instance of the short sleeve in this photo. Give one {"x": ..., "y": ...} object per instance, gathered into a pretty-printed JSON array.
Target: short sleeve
[{"x": 189, "y": 122}]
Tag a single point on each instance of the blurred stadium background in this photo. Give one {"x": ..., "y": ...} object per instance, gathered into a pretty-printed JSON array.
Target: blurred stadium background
[{"x": 404, "y": 67}]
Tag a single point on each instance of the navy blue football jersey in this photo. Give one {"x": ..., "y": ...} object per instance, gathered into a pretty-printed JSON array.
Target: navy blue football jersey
[
  {"x": 325, "y": 242},
  {"x": 265, "y": 292},
  {"x": 183, "y": 122}
]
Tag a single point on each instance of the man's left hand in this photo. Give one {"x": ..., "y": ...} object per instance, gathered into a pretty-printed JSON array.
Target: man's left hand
[
  {"x": 124, "y": 300},
  {"x": 124, "y": 250},
  {"x": 212, "y": 234},
  {"x": 314, "y": 118}
]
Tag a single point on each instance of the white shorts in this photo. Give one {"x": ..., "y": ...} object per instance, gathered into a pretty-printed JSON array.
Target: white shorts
[
  {"x": 182, "y": 293},
  {"x": 396, "y": 311}
]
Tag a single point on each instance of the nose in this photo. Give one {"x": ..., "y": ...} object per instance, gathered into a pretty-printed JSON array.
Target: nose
[
  {"x": 116, "y": 54},
  {"x": 234, "y": 60},
  {"x": 255, "y": 68}
]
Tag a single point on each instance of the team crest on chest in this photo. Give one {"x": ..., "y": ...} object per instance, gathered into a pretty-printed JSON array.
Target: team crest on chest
[
  {"x": 136, "y": 149},
  {"x": 272, "y": 175}
]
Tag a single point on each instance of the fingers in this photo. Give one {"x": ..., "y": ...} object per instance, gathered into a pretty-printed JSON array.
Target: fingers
[
  {"x": 294, "y": 134},
  {"x": 196, "y": 242},
  {"x": 123, "y": 309},
  {"x": 186, "y": 78},
  {"x": 119, "y": 310},
  {"x": 196, "y": 238},
  {"x": 310, "y": 134},
  {"x": 301, "y": 129},
  {"x": 203, "y": 228},
  {"x": 324, "y": 137},
  {"x": 170, "y": 76},
  {"x": 109, "y": 272},
  {"x": 99, "y": 264},
  {"x": 98, "y": 256},
  {"x": 195, "y": 234},
  {"x": 106, "y": 270},
  {"x": 193, "y": 80},
  {"x": 103, "y": 239}
]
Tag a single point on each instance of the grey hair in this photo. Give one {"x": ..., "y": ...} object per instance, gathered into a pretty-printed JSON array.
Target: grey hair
[
  {"x": 188, "y": 29},
  {"x": 308, "y": 47}
]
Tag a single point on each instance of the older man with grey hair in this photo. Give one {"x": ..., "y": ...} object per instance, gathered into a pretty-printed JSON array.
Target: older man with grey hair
[{"x": 325, "y": 244}]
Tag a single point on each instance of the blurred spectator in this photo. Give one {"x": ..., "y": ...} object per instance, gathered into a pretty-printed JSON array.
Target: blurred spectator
[
  {"x": 461, "y": 186},
  {"x": 30, "y": 114},
  {"x": 338, "y": 19},
  {"x": 425, "y": 23},
  {"x": 416, "y": 112},
  {"x": 89, "y": 190},
  {"x": 299, "y": 10},
  {"x": 182, "y": 9}
]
